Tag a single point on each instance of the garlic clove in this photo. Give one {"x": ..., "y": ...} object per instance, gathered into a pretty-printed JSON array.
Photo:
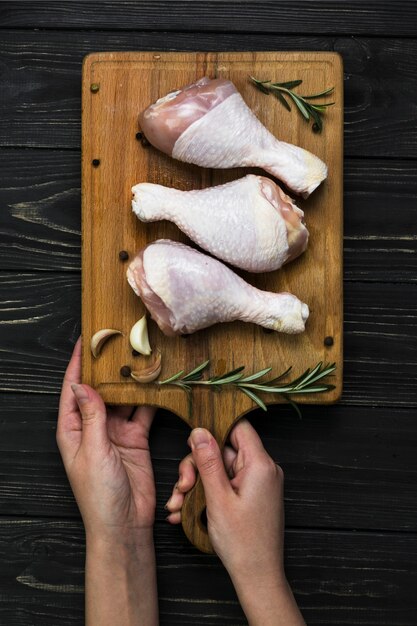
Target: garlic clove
[
  {"x": 148, "y": 374},
  {"x": 139, "y": 339},
  {"x": 99, "y": 339}
]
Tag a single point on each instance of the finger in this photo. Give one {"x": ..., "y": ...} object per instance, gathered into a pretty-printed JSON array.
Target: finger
[
  {"x": 93, "y": 415},
  {"x": 187, "y": 477},
  {"x": 209, "y": 461},
  {"x": 144, "y": 415},
  {"x": 229, "y": 459},
  {"x": 68, "y": 416},
  {"x": 174, "y": 518},
  {"x": 187, "y": 474},
  {"x": 246, "y": 440},
  {"x": 176, "y": 500}
]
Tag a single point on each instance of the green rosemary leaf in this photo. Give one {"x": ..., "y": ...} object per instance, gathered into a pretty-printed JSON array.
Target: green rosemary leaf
[
  {"x": 265, "y": 388},
  {"x": 288, "y": 85},
  {"x": 254, "y": 397},
  {"x": 280, "y": 377},
  {"x": 294, "y": 406},
  {"x": 227, "y": 374},
  {"x": 259, "y": 82},
  {"x": 256, "y": 376},
  {"x": 309, "y": 375},
  {"x": 322, "y": 106},
  {"x": 281, "y": 98},
  {"x": 228, "y": 379},
  {"x": 197, "y": 370},
  {"x": 182, "y": 385},
  {"x": 300, "y": 378},
  {"x": 283, "y": 90},
  {"x": 303, "y": 110},
  {"x": 317, "y": 119},
  {"x": 325, "y": 372},
  {"x": 318, "y": 95},
  {"x": 306, "y": 383},
  {"x": 322, "y": 388},
  {"x": 171, "y": 379},
  {"x": 318, "y": 109}
]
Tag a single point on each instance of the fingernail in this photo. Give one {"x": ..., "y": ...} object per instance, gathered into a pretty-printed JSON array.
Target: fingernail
[
  {"x": 179, "y": 482},
  {"x": 79, "y": 392},
  {"x": 200, "y": 438}
]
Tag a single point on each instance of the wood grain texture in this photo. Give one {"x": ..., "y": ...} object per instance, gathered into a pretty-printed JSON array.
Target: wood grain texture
[
  {"x": 128, "y": 82},
  {"x": 40, "y": 204},
  {"x": 42, "y": 563},
  {"x": 40, "y": 322},
  {"x": 276, "y": 16},
  {"x": 345, "y": 467},
  {"x": 40, "y": 100},
  {"x": 40, "y": 200}
]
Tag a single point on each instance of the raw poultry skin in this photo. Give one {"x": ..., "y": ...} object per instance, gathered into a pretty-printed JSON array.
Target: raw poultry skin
[
  {"x": 248, "y": 222},
  {"x": 185, "y": 290},
  {"x": 209, "y": 124}
]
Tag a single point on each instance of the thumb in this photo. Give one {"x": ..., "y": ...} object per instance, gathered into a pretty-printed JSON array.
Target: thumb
[
  {"x": 209, "y": 462},
  {"x": 93, "y": 415}
]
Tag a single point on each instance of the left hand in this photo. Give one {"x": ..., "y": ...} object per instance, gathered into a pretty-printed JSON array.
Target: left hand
[{"x": 107, "y": 459}]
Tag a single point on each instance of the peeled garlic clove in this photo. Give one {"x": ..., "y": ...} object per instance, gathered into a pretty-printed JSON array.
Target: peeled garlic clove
[
  {"x": 99, "y": 339},
  {"x": 139, "y": 339},
  {"x": 148, "y": 374}
]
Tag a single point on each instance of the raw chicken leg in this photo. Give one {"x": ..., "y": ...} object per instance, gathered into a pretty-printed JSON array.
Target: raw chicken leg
[
  {"x": 209, "y": 124},
  {"x": 186, "y": 290},
  {"x": 249, "y": 222}
]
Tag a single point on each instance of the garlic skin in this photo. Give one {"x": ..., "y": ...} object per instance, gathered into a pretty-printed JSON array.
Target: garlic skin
[
  {"x": 99, "y": 339},
  {"x": 139, "y": 339},
  {"x": 151, "y": 373}
]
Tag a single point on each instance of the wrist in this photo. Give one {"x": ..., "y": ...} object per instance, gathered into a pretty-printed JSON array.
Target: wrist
[
  {"x": 273, "y": 582},
  {"x": 121, "y": 579},
  {"x": 120, "y": 542},
  {"x": 273, "y": 604}
]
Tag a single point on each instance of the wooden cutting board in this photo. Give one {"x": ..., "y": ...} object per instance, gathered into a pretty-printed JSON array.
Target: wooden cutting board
[{"x": 116, "y": 87}]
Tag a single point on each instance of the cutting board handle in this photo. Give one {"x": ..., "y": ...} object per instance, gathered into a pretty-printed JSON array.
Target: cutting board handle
[
  {"x": 192, "y": 517},
  {"x": 193, "y": 513}
]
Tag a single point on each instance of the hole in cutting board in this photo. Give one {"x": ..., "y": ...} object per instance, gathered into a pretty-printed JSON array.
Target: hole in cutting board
[{"x": 203, "y": 517}]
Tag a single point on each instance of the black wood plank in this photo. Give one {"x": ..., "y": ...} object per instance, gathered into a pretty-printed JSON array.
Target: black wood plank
[
  {"x": 40, "y": 204},
  {"x": 380, "y": 214},
  {"x": 338, "y": 578},
  {"x": 373, "y": 17},
  {"x": 41, "y": 75},
  {"x": 40, "y": 215},
  {"x": 345, "y": 467},
  {"x": 39, "y": 322}
]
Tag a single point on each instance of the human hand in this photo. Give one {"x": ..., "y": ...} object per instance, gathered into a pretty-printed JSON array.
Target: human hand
[
  {"x": 244, "y": 496},
  {"x": 245, "y": 519},
  {"x": 107, "y": 459}
]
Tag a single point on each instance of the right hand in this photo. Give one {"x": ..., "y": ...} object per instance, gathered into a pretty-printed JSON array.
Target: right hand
[
  {"x": 244, "y": 496},
  {"x": 245, "y": 514}
]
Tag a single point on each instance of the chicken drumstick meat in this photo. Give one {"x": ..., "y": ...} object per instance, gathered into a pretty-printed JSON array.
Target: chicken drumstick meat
[
  {"x": 248, "y": 222},
  {"x": 185, "y": 290},
  {"x": 209, "y": 124}
]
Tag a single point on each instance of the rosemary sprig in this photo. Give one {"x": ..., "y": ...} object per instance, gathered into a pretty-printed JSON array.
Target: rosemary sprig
[
  {"x": 311, "y": 381},
  {"x": 284, "y": 93}
]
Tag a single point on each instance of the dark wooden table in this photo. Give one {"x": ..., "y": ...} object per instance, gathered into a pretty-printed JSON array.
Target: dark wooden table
[{"x": 351, "y": 504}]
